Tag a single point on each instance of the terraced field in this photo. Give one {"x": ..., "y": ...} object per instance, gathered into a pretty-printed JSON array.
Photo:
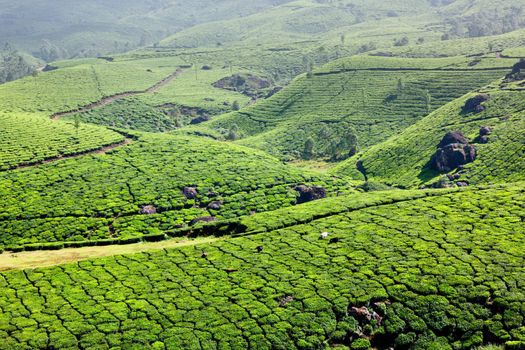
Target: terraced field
[
  {"x": 29, "y": 139},
  {"x": 388, "y": 275},
  {"x": 177, "y": 103},
  {"x": 373, "y": 98},
  {"x": 138, "y": 190},
  {"x": 404, "y": 159}
]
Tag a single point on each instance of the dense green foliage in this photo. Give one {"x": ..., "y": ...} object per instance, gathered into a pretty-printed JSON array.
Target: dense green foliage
[
  {"x": 430, "y": 287},
  {"x": 367, "y": 99},
  {"x": 14, "y": 65},
  {"x": 102, "y": 196},
  {"x": 28, "y": 139},
  {"x": 404, "y": 159}
]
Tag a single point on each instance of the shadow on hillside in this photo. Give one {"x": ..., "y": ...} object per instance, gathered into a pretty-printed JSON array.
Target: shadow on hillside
[{"x": 427, "y": 173}]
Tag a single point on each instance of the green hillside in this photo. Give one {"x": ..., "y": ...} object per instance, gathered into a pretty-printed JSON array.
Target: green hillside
[
  {"x": 364, "y": 98},
  {"x": 104, "y": 196},
  {"x": 389, "y": 275},
  {"x": 27, "y": 133},
  {"x": 404, "y": 159},
  {"x": 266, "y": 175}
]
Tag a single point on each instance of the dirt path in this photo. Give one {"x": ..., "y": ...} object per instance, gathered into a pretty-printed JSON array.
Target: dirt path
[
  {"x": 30, "y": 260},
  {"x": 110, "y": 99},
  {"x": 101, "y": 150}
]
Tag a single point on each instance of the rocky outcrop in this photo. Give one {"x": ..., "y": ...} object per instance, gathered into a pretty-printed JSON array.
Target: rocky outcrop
[
  {"x": 190, "y": 192},
  {"x": 148, "y": 210},
  {"x": 484, "y": 133},
  {"x": 518, "y": 72},
  {"x": 247, "y": 84},
  {"x": 453, "y": 151},
  {"x": 308, "y": 194},
  {"x": 475, "y": 104}
]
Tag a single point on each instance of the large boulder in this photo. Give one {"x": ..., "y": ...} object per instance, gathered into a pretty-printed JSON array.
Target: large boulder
[
  {"x": 308, "y": 194},
  {"x": 453, "y": 152},
  {"x": 474, "y": 104},
  {"x": 453, "y": 137},
  {"x": 190, "y": 192}
]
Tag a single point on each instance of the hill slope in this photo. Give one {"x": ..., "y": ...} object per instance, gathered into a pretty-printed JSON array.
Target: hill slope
[
  {"x": 364, "y": 98},
  {"x": 390, "y": 275},
  {"x": 60, "y": 29},
  {"x": 138, "y": 189},
  {"x": 404, "y": 160}
]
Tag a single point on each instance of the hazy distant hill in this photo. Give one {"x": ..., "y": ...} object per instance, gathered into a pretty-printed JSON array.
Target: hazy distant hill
[{"x": 95, "y": 27}]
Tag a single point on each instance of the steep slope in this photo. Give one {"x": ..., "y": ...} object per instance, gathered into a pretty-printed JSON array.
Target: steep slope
[
  {"x": 365, "y": 99},
  {"x": 393, "y": 275},
  {"x": 404, "y": 160}
]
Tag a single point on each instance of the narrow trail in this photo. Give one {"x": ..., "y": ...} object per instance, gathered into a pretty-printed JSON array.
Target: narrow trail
[
  {"x": 472, "y": 70},
  {"x": 101, "y": 150},
  {"x": 31, "y": 260},
  {"x": 110, "y": 99},
  {"x": 103, "y": 102},
  {"x": 47, "y": 258}
]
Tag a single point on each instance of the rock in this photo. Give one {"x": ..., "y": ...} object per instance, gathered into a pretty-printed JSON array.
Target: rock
[
  {"x": 200, "y": 119},
  {"x": 453, "y": 152},
  {"x": 474, "y": 104},
  {"x": 361, "y": 312},
  {"x": 308, "y": 194},
  {"x": 453, "y": 137},
  {"x": 148, "y": 210},
  {"x": 190, "y": 192},
  {"x": 204, "y": 219},
  {"x": 452, "y": 156},
  {"x": 483, "y": 140},
  {"x": 287, "y": 299},
  {"x": 247, "y": 84},
  {"x": 485, "y": 130},
  {"x": 462, "y": 184},
  {"x": 215, "y": 205},
  {"x": 517, "y": 72}
]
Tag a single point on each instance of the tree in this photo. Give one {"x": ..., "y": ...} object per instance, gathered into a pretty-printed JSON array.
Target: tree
[
  {"x": 233, "y": 133},
  {"x": 236, "y": 106},
  {"x": 400, "y": 86},
  {"x": 76, "y": 123},
  {"x": 308, "y": 151},
  {"x": 428, "y": 101},
  {"x": 343, "y": 39}
]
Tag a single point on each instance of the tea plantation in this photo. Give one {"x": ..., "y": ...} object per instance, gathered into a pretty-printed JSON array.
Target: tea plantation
[
  {"x": 404, "y": 160},
  {"x": 439, "y": 272},
  {"x": 138, "y": 190},
  {"x": 368, "y": 98}
]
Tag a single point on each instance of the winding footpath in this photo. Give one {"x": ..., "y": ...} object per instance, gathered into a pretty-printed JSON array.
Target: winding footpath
[
  {"x": 100, "y": 103},
  {"x": 122, "y": 95}
]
